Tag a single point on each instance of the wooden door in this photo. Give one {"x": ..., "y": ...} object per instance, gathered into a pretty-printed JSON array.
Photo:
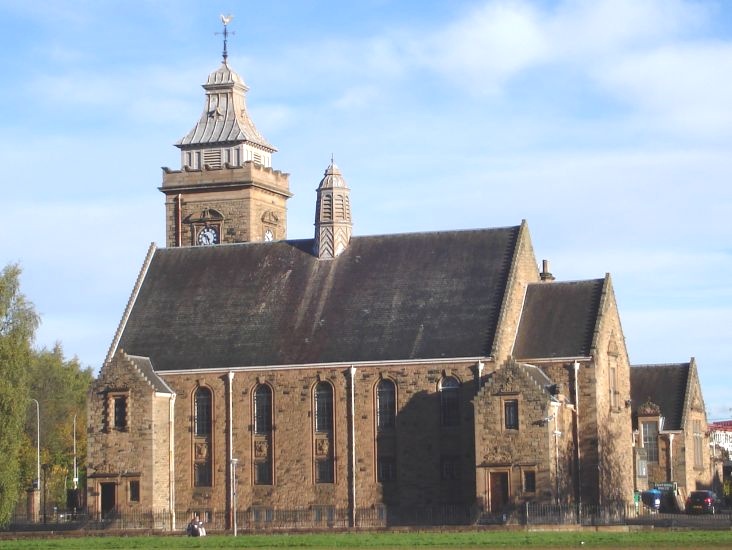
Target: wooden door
[{"x": 498, "y": 490}]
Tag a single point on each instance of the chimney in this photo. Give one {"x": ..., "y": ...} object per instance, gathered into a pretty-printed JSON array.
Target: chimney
[{"x": 545, "y": 275}]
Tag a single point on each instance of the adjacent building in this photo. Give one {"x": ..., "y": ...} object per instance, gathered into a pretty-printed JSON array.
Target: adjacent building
[{"x": 671, "y": 435}]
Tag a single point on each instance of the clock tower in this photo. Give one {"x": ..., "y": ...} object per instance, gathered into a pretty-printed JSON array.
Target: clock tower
[{"x": 226, "y": 190}]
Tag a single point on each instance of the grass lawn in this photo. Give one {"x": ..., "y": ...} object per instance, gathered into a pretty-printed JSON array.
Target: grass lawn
[{"x": 465, "y": 539}]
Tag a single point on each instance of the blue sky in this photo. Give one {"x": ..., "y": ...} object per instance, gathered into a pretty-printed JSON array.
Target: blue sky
[{"x": 607, "y": 125}]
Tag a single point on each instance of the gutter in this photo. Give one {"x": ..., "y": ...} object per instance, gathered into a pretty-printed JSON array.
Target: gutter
[{"x": 303, "y": 366}]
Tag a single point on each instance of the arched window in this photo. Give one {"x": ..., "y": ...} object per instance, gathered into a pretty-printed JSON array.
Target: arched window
[
  {"x": 385, "y": 405},
  {"x": 262, "y": 410},
  {"x": 323, "y": 440},
  {"x": 323, "y": 407},
  {"x": 449, "y": 401},
  {"x": 202, "y": 412}
]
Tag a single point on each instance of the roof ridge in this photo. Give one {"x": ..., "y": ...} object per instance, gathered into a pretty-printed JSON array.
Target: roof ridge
[{"x": 648, "y": 365}]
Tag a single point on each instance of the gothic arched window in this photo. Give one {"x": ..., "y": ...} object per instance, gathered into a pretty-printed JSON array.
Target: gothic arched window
[
  {"x": 323, "y": 407},
  {"x": 385, "y": 405},
  {"x": 262, "y": 409},
  {"x": 202, "y": 412}
]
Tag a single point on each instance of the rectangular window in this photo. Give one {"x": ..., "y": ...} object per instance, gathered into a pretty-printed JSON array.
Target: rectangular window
[
  {"x": 385, "y": 469},
  {"x": 324, "y": 470},
  {"x": 642, "y": 467},
  {"x": 120, "y": 413},
  {"x": 529, "y": 481},
  {"x": 511, "y": 414},
  {"x": 202, "y": 474},
  {"x": 449, "y": 468},
  {"x": 650, "y": 440},
  {"x": 263, "y": 473},
  {"x": 698, "y": 445},
  {"x": 135, "y": 491}
]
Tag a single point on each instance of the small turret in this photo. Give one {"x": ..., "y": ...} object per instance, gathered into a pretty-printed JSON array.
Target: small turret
[{"x": 332, "y": 215}]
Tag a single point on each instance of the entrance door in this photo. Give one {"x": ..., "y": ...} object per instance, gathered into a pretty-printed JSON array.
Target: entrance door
[
  {"x": 109, "y": 498},
  {"x": 498, "y": 490}
]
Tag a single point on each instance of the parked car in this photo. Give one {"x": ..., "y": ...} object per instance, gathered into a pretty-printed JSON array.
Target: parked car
[
  {"x": 702, "y": 502},
  {"x": 651, "y": 499}
]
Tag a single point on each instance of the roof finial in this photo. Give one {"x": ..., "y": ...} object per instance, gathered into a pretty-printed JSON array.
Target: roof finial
[
  {"x": 332, "y": 160},
  {"x": 226, "y": 19}
]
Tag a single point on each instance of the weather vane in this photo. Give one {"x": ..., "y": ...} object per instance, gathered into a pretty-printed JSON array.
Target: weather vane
[{"x": 226, "y": 19}]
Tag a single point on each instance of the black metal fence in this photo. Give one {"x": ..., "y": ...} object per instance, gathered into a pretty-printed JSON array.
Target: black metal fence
[
  {"x": 253, "y": 519},
  {"x": 326, "y": 517}
]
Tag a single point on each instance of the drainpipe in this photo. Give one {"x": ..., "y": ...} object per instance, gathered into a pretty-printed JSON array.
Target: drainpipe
[
  {"x": 352, "y": 371},
  {"x": 557, "y": 435},
  {"x": 576, "y": 366},
  {"x": 171, "y": 461},
  {"x": 231, "y": 448},
  {"x": 179, "y": 221},
  {"x": 671, "y": 457}
]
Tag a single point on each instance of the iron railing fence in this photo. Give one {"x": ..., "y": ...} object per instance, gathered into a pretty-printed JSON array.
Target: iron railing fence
[{"x": 257, "y": 519}]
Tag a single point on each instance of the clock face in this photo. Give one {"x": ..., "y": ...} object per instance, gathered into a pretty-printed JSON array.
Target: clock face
[
  {"x": 208, "y": 235},
  {"x": 268, "y": 235}
]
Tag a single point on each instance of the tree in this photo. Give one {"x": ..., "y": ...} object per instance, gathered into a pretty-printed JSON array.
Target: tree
[
  {"x": 60, "y": 385},
  {"x": 18, "y": 323}
]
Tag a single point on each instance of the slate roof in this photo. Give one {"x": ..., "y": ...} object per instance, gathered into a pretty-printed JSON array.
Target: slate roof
[
  {"x": 664, "y": 385},
  {"x": 558, "y": 319},
  {"x": 395, "y": 297}
]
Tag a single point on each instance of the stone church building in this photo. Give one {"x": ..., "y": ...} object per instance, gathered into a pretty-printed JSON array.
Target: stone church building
[{"x": 342, "y": 375}]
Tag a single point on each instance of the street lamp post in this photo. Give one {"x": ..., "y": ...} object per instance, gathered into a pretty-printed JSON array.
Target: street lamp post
[
  {"x": 76, "y": 471},
  {"x": 234, "y": 462},
  {"x": 37, "y": 482}
]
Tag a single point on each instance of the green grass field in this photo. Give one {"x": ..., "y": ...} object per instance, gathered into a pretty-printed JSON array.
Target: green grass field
[{"x": 433, "y": 539}]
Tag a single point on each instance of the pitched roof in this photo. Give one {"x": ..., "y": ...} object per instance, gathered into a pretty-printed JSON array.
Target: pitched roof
[
  {"x": 558, "y": 319},
  {"x": 396, "y": 297},
  {"x": 664, "y": 385}
]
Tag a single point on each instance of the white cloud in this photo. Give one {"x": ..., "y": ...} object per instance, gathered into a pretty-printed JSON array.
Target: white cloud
[
  {"x": 489, "y": 45},
  {"x": 684, "y": 87}
]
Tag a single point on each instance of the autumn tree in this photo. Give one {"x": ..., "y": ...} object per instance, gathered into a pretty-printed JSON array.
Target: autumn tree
[{"x": 18, "y": 322}]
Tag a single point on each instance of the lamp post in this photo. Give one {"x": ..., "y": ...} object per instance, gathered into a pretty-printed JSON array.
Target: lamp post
[
  {"x": 234, "y": 462},
  {"x": 37, "y": 482},
  {"x": 76, "y": 471}
]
